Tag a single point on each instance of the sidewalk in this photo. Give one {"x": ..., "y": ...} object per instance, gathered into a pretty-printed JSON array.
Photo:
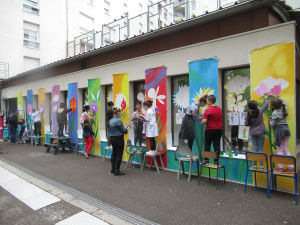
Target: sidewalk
[{"x": 158, "y": 197}]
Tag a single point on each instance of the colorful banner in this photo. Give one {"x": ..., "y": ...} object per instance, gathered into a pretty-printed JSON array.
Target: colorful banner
[
  {"x": 156, "y": 90},
  {"x": 121, "y": 100},
  {"x": 94, "y": 102},
  {"x": 29, "y": 107},
  {"x": 73, "y": 115},
  {"x": 273, "y": 71},
  {"x": 20, "y": 105},
  {"x": 41, "y": 108},
  {"x": 203, "y": 78},
  {"x": 55, "y": 101}
]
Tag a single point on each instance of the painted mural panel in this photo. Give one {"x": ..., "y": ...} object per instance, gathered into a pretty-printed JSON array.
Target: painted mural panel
[
  {"x": 237, "y": 95},
  {"x": 73, "y": 115},
  {"x": 273, "y": 71},
  {"x": 29, "y": 107},
  {"x": 121, "y": 100},
  {"x": 94, "y": 102},
  {"x": 20, "y": 105},
  {"x": 41, "y": 108},
  {"x": 156, "y": 90},
  {"x": 203, "y": 78},
  {"x": 55, "y": 101}
]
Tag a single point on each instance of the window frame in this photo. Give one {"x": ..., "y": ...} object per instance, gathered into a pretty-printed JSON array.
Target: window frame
[
  {"x": 224, "y": 99},
  {"x": 27, "y": 39},
  {"x": 26, "y": 4},
  {"x": 172, "y": 105}
]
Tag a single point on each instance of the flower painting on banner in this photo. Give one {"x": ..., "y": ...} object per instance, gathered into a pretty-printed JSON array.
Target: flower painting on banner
[
  {"x": 73, "y": 115},
  {"x": 156, "y": 90},
  {"x": 94, "y": 100},
  {"x": 29, "y": 107},
  {"x": 41, "y": 108},
  {"x": 121, "y": 100},
  {"x": 20, "y": 105},
  {"x": 203, "y": 78},
  {"x": 55, "y": 101},
  {"x": 273, "y": 71}
]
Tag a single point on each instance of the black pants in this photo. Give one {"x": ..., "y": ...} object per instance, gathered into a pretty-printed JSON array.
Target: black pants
[
  {"x": 107, "y": 135},
  {"x": 21, "y": 133},
  {"x": 213, "y": 136},
  {"x": 234, "y": 138},
  {"x": 117, "y": 152},
  {"x": 152, "y": 143},
  {"x": 190, "y": 143},
  {"x": 138, "y": 134},
  {"x": 37, "y": 128},
  {"x": 61, "y": 129}
]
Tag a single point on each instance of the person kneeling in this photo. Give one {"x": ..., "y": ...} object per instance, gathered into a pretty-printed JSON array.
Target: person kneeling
[{"x": 88, "y": 137}]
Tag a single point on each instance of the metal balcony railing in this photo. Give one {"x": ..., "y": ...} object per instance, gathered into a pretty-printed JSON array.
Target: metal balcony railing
[
  {"x": 4, "y": 70},
  {"x": 158, "y": 15}
]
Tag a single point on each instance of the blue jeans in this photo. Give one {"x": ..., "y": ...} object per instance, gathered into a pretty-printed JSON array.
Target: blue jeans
[{"x": 258, "y": 142}]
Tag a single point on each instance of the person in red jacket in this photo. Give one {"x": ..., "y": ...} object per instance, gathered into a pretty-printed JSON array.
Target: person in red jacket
[{"x": 213, "y": 118}]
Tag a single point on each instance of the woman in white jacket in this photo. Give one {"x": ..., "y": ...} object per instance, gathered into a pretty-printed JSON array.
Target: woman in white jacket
[{"x": 151, "y": 124}]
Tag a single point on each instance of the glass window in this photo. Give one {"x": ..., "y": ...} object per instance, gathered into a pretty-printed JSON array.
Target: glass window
[
  {"x": 109, "y": 97},
  {"x": 85, "y": 97},
  {"x": 139, "y": 92},
  {"x": 235, "y": 99},
  {"x": 180, "y": 101},
  {"x": 31, "y": 7},
  {"x": 31, "y": 35}
]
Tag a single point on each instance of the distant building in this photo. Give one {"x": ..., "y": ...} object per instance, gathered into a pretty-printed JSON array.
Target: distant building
[{"x": 36, "y": 32}]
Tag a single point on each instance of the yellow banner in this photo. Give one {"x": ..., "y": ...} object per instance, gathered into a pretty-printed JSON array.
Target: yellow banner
[
  {"x": 121, "y": 100},
  {"x": 273, "y": 71},
  {"x": 41, "y": 108}
]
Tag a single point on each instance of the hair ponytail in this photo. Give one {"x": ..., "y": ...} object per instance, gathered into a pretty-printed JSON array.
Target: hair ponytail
[{"x": 284, "y": 112}]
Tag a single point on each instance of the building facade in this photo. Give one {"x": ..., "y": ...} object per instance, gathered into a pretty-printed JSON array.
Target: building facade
[{"x": 229, "y": 35}]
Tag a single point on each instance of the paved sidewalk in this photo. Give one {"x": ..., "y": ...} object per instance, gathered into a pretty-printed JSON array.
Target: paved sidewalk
[{"x": 158, "y": 197}]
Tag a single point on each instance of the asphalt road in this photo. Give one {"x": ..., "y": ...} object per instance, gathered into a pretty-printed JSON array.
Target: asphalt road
[{"x": 159, "y": 197}]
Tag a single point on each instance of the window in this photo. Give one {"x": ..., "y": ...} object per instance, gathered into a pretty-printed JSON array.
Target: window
[
  {"x": 85, "y": 97},
  {"x": 31, "y": 6},
  {"x": 180, "y": 101},
  {"x": 30, "y": 63},
  {"x": 31, "y": 35},
  {"x": 236, "y": 89},
  {"x": 109, "y": 97},
  {"x": 106, "y": 7},
  {"x": 139, "y": 92},
  {"x": 86, "y": 23},
  {"x": 193, "y": 4}
]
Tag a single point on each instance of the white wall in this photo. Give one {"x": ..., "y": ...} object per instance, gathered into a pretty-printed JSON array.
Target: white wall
[
  {"x": 11, "y": 34},
  {"x": 230, "y": 51}
]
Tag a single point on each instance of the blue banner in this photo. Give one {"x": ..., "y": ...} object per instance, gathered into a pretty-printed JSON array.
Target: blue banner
[
  {"x": 29, "y": 108},
  {"x": 73, "y": 114},
  {"x": 203, "y": 79}
]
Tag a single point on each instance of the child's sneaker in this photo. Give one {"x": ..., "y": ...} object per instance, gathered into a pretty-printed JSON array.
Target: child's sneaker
[{"x": 86, "y": 155}]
